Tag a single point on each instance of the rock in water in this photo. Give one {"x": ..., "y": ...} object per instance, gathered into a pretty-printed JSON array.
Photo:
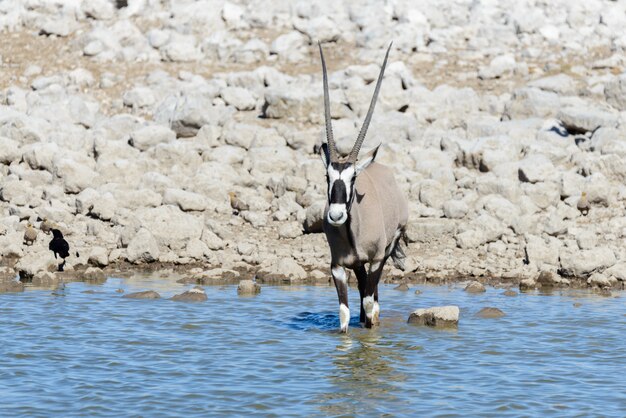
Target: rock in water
[
  {"x": 550, "y": 279},
  {"x": 475, "y": 287},
  {"x": 146, "y": 294},
  {"x": 438, "y": 316},
  {"x": 94, "y": 274},
  {"x": 196, "y": 294},
  {"x": 11, "y": 286},
  {"x": 490, "y": 312},
  {"x": 402, "y": 287},
  {"x": 248, "y": 287},
  {"x": 510, "y": 293}
]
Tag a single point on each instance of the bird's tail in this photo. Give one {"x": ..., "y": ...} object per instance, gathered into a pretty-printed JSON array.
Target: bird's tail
[{"x": 77, "y": 255}]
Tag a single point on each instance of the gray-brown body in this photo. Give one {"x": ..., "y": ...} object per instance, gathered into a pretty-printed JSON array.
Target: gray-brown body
[
  {"x": 365, "y": 216},
  {"x": 378, "y": 217}
]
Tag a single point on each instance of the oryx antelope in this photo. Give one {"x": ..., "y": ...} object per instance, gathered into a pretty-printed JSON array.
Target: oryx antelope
[{"x": 365, "y": 216}]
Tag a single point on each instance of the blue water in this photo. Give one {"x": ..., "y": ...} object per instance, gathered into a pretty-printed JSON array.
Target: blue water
[{"x": 277, "y": 354}]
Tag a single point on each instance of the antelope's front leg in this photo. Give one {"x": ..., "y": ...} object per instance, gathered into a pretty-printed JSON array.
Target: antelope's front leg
[
  {"x": 370, "y": 301},
  {"x": 341, "y": 284}
]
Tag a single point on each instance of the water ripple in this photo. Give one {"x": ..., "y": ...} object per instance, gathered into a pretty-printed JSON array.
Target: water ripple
[{"x": 278, "y": 354}]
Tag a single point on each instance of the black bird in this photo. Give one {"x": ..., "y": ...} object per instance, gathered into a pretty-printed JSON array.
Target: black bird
[{"x": 59, "y": 247}]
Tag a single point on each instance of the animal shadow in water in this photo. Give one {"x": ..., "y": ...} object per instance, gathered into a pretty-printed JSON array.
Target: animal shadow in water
[{"x": 322, "y": 321}]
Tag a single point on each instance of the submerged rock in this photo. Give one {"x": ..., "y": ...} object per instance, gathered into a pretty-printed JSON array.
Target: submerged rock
[
  {"x": 11, "y": 286},
  {"x": 196, "y": 294},
  {"x": 146, "y": 294},
  {"x": 94, "y": 274},
  {"x": 510, "y": 293},
  {"x": 527, "y": 284},
  {"x": 210, "y": 276},
  {"x": 551, "y": 279},
  {"x": 45, "y": 279},
  {"x": 475, "y": 287},
  {"x": 248, "y": 287},
  {"x": 490, "y": 312},
  {"x": 402, "y": 287},
  {"x": 438, "y": 316}
]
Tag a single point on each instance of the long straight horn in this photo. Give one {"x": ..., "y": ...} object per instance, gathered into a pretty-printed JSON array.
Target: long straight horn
[
  {"x": 359, "y": 141},
  {"x": 329, "y": 127}
]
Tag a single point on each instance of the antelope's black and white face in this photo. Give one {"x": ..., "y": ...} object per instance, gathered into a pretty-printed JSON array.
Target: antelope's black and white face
[{"x": 341, "y": 178}]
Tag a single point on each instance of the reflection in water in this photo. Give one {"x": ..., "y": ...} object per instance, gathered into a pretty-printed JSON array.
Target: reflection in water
[
  {"x": 94, "y": 353},
  {"x": 364, "y": 378}
]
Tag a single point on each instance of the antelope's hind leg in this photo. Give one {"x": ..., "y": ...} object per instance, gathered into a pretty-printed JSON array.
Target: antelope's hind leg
[
  {"x": 361, "y": 276},
  {"x": 341, "y": 284}
]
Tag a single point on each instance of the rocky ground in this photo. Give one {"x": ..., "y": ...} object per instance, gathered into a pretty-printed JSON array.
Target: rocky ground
[{"x": 183, "y": 133}]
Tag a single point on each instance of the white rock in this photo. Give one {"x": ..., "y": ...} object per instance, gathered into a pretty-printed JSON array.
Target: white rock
[
  {"x": 139, "y": 97},
  {"x": 75, "y": 176},
  {"x": 541, "y": 252},
  {"x": 535, "y": 168},
  {"x": 288, "y": 42},
  {"x": 560, "y": 84},
  {"x": 499, "y": 66},
  {"x": 470, "y": 239},
  {"x": 212, "y": 241},
  {"x": 148, "y": 136},
  {"x": 455, "y": 209},
  {"x": 586, "y": 240},
  {"x": 581, "y": 263},
  {"x": 98, "y": 9},
  {"x": 290, "y": 230},
  {"x": 142, "y": 248},
  {"x": 197, "y": 249},
  {"x": 186, "y": 201},
  {"x": 181, "y": 50},
  {"x": 433, "y": 194},
  {"x": 585, "y": 119},
  {"x": 34, "y": 262},
  {"x": 284, "y": 269},
  {"x": 438, "y": 316},
  {"x": 170, "y": 226},
  {"x": 600, "y": 280},
  {"x": 99, "y": 256},
  {"x": 615, "y": 92},
  {"x": 104, "y": 207},
  {"x": 9, "y": 151},
  {"x": 239, "y": 97},
  {"x": 320, "y": 28},
  {"x": 158, "y": 37}
]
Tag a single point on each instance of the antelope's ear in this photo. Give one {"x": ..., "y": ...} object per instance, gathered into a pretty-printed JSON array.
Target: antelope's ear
[
  {"x": 367, "y": 159},
  {"x": 325, "y": 154}
]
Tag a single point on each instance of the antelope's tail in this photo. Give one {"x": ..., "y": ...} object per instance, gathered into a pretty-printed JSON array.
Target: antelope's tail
[{"x": 397, "y": 253}]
